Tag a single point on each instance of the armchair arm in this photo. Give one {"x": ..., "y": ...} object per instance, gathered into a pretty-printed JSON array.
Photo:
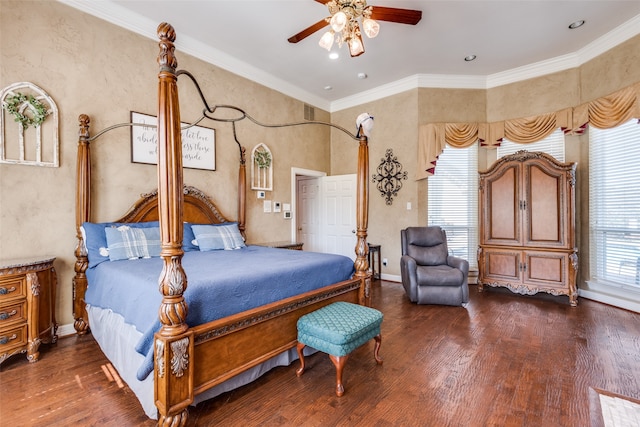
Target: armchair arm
[
  {"x": 408, "y": 272},
  {"x": 462, "y": 265},
  {"x": 459, "y": 263}
]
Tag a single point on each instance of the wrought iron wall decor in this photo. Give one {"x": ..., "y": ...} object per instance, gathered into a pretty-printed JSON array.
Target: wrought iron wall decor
[{"x": 389, "y": 177}]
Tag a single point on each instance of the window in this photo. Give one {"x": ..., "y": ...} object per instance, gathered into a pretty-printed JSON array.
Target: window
[
  {"x": 614, "y": 205},
  {"x": 453, "y": 200},
  {"x": 553, "y": 144}
]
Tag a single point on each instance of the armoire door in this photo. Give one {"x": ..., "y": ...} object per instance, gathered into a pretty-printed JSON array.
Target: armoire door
[
  {"x": 546, "y": 269},
  {"x": 500, "y": 207},
  {"x": 501, "y": 266},
  {"x": 544, "y": 205}
]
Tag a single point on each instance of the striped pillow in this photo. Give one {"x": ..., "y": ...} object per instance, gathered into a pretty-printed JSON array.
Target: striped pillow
[
  {"x": 215, "y": 237},
  {"x": 127, "y": 242}
]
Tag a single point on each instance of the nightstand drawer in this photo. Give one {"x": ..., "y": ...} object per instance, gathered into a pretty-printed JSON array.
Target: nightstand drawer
[
  {"x": 14, "y": 337},
  {"x": 27, "y": 306},
  {"x": 11, "y": 314},
  {"x": 12, "y": 288}
]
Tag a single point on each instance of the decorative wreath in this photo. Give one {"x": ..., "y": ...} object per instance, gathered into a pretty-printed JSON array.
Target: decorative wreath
[
  {"x": 263, "y": 159},
  {"x": 39, "y": 111}
]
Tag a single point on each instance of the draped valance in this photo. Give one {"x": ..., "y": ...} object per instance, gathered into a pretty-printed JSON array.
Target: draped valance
[{"x": 603, "y": 113}]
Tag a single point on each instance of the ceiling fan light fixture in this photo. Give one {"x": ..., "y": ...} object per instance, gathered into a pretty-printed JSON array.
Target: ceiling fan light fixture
[
  {"x": 338, "y": 21},
  {"x": 356, "y": 48},
  {"x": 326, "y": 41},
  {"x": 348, "y": 19},
  {"x": 371, "y": 27}
]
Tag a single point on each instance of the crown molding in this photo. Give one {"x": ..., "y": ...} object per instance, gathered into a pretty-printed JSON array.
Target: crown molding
[
  {"x": 444, "y": 81},
  {"x": 122, "y": 17},
  {"x": 613, "y": 38}
]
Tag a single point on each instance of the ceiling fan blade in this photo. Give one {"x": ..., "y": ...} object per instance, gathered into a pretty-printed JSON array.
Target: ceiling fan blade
[
  {"x": 392, "y": 14},
  {"x": 308, "y": 31}
]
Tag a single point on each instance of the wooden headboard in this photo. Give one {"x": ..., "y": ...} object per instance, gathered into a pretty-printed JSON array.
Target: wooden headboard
[{"x": 198, "y": 208}]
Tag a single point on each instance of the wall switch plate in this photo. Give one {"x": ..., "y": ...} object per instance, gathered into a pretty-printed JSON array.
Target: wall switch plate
[
  {"x": 260, "y": 194},
  {"x": 276, "y": 206},
  {"x": 266, "y": 206},
  {"x": 408, "y": 206},
  {"x": 384, "y": 261}
]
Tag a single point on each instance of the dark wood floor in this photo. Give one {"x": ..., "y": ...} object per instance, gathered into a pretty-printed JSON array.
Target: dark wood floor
[{"x": 505, "y": 360}]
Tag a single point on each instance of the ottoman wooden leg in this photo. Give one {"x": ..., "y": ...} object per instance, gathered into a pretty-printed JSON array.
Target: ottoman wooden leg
[
  {"x": 376, "y": 349},
  {"x": 300, "y": 347},
  {"x": 339, "y": 362}
]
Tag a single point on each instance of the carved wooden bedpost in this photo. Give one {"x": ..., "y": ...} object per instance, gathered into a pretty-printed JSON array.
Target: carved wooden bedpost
[
  {"x": 173, "y": 368},
  {"x": 362, "y": 219},
  {"x": 242, "y": 191},
  {"x": 83, "y": 211}
]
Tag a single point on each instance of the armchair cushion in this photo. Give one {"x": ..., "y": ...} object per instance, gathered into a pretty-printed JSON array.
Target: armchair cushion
[{"x": 439, "y": 275}]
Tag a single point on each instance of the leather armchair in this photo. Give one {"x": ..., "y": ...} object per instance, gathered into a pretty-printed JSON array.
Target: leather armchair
[{"x": 429, "y": 274}]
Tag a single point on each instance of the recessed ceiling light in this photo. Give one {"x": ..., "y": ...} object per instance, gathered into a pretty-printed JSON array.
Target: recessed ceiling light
[
  {"x": 362, "y": 76},
  {"x": 334, "y": 55},
  {"x": 469, "y": 58},
  {"x": 328, "y": 88},
  {"x": 576, "y": 24}
]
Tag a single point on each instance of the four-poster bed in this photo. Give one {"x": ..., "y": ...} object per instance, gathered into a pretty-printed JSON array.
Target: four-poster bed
[{"x": 192, "y": 362}]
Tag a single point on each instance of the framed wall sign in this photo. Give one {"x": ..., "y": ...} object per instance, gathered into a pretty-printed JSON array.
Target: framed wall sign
[{"x": 198, "y": 143}]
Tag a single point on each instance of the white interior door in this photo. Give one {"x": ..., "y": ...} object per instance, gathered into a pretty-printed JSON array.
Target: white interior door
[
  {"x": 308, "y": 213},
  {"x": 338, "y": 218}
]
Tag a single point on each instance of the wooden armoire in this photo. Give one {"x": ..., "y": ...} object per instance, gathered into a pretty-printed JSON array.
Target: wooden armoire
[{"x": 527, "y": 225}]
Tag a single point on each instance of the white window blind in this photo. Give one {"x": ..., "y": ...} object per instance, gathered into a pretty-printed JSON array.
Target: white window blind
[
  {"x": 614, "y": 205},
  {"x": 453, "y": 200},
  {"x": 553, "y": 144}
]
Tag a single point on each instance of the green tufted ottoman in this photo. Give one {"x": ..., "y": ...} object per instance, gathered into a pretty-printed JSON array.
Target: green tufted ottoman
[{"x": 337, "y": 330}]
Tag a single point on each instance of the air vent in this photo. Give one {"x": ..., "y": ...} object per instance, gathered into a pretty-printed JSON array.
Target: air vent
[{"x": 309, "y": 112}]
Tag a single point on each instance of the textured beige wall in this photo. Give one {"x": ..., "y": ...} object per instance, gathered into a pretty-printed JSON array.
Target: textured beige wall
[
  {"x": 395, "y": 119},
  {"x": 611, "y": 71},
  {"x": 530, "y": 97},
  {"x": 93, "y": 67}
]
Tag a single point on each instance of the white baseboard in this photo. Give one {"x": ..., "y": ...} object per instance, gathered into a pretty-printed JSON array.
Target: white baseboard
[
  {"x": 611, "y": 297},
  {"x": 66, "y": 330},
  {"x": 391, "y": 278}
]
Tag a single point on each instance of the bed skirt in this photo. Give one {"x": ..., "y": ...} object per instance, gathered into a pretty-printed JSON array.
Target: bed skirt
[{"x": 118, "y": 340}]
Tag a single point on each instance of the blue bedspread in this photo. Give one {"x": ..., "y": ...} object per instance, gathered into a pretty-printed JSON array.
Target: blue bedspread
[{"x": 220, "y": 283}]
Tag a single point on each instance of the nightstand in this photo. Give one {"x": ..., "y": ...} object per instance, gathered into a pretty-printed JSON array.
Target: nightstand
[
  {"x": 373, "y": 251},
  {"x": 27, "y": 306}
]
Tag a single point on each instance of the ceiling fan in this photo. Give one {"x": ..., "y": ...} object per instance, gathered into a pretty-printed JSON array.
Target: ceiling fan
[{"x": 345, "y": 27}]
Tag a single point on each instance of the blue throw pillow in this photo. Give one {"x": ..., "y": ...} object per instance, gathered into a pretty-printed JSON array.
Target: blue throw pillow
[
  {"x": 221, "y": 236},
  {"x": 188, "y": 238},
  {"x": 126, "y": 242},
  {"x": 95, "y": 239}
]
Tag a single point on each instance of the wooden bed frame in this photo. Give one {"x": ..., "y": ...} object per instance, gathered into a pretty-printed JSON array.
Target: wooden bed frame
[{"x": 188, "y": 360}]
